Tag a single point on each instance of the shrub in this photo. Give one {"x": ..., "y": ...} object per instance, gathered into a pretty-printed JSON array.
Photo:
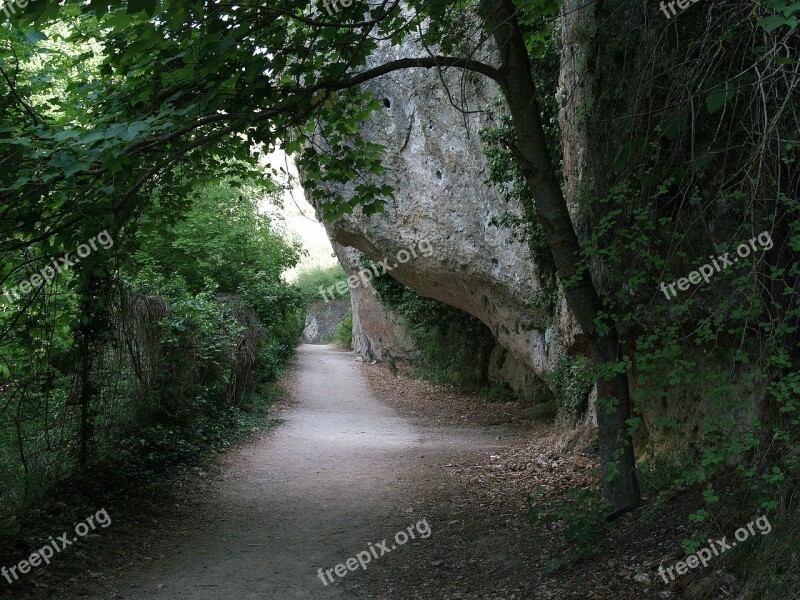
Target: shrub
[
  {"x": 310, "y": 281},
  {"x": 344, "y": 332},
  {"x": 500, "y": 393}
]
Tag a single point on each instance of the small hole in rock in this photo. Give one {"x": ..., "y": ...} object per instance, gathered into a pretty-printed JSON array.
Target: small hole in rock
[
  {"x": 387, "y": 103},
  {"x": 439, "y": 175}
]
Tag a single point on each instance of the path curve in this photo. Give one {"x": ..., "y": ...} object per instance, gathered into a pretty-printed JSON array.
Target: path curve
[{"x": 339, "y": 474}]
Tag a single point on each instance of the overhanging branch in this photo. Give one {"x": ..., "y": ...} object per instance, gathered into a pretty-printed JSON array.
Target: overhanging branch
[{"x": 423, "y": 62}]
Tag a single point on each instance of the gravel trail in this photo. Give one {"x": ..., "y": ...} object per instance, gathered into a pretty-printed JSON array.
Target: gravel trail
[{"x": 344, "y": 470}]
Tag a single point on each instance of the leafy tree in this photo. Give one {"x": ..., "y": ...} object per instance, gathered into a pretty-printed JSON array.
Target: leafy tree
[
  {"x": 312, "y": 280},
  {"x": 221, "y": 239}
]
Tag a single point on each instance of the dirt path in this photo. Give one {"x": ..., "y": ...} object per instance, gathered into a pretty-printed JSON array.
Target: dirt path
[
  {"x": 362, "y": 455},
  {"x": 343, "y": 471}
]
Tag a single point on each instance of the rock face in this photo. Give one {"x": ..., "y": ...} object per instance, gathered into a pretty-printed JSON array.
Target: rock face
[
  {"x": 435, "y": 162},
  {"x": 322, "y": 319},
  {"x": 378, "y": 333}
]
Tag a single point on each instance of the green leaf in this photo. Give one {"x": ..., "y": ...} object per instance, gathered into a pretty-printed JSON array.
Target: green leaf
[
  {"x": 93, "y": 136},
  {"x": 33, "y": 37},
  {"x": 772, "y": 22},
  {"x": 134, "y": 129},
  {"x": 149, "y": 6},
  {"x": 716, "y": 100},
  {"x": 69, "y": 134},
  {"x": 672, "y": 123},
  {"x": 790, "y": 9},
  {"x": 626, "y": 153}
]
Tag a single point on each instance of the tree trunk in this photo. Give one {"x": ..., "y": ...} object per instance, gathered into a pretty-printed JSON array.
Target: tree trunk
[
  {"x": 94, "y": 323},
  {"x": 86, "y": 394},
  {"x": 613, "y": 404}
]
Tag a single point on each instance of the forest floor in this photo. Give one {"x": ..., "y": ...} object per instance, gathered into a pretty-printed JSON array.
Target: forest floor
[{"x": 362, "y": 455}]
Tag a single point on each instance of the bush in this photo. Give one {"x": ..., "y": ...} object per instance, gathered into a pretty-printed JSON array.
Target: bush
[
  {"x": 573, "y": 383},
  {"x": 581, "y": 514},
  {"x": 310, "y": 281},
  {"x": 193, "y": 320},
  {"x": 546, "y": 412},
  {"x": 344, "y": 332},
  {"x": 500, "y": 393}
]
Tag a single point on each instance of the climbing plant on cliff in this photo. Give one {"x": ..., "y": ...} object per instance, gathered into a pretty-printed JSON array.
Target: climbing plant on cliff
[
  {"x": 536, "y": 164},
  {"x": 677, "y": 192},
  {"x": 452, "y": 347}
]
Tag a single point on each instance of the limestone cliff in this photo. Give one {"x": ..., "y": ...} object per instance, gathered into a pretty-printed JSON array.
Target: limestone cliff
[
  {"x": 435, "y": 162},
  {"x": 377, "y": 333}
]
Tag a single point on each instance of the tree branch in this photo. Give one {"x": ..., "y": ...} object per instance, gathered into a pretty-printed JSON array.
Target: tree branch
[{"x": 423, "y": 62}]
